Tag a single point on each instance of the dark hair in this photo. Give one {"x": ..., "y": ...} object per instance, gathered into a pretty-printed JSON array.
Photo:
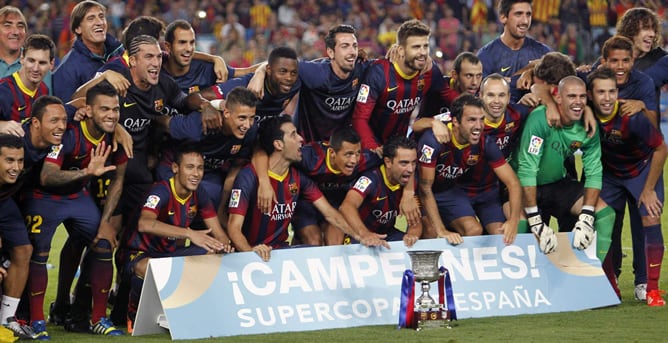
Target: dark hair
[
  {"x": 493, "y": 76},
  {"x": 270, "y": 130},
  {"x": 241, "y": 96},
  {"x": 412, "y": 28},
  {"x": 40, "y": 104},
  {"x": 10, "y": 141},
  {"x": 102, "y": 88},
  {"x": 186, "y": 147},
  {"x": 600, "y": 73},
  {"x": 636, "y": 19},
  {"x": 139, "y": 41},
  {"x": 466, "y": 99},
  {"x": 464, "y": 56},
  {"x": 39, "y": 42},
  {"x": 394, "y": 143},
  {"x": 143, "y": 25},
  {"x": 176, "y": 24},
  {"x": 616, "y": 42},
  {"x": 330, "y": 39},
  {"x": 506, "y": 5},
  {"x": 343, "y": 134},
  {"x": 281, "y": 52},
  {"x": 79, "y": 13},
  {"x": 553, "y": 67}
]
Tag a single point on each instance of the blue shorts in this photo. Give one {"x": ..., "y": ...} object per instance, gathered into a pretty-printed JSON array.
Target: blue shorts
[
  {"x": 306, "y": 214},
  {"x": 80, "y": 216},
  {"x": 12, "y": 227},
  {"x": 454, "y": 204},
  {"x": 616, "y": 190}
]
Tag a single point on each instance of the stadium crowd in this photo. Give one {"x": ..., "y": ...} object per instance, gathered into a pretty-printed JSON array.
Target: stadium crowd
[{"x": 464, "y": 117}]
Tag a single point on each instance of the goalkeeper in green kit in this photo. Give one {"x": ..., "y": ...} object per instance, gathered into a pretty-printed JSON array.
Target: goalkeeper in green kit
[{"x": 548, "y": 189}]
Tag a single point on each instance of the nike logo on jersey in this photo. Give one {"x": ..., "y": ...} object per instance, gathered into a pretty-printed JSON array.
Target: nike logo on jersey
[
  {"x": 22, "y": 108},
  {"x": 391, "y": 89},
  {"x": 381, "y": 198},
  {"x": 654, "y": 265},
  {"x": 171, "y": 213},
  {"x": 126, "y": 105},
  {"x": 504, "y": 69}
]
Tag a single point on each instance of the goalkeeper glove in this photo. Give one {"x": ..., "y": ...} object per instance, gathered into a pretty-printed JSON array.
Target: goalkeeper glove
[
  {"x": 583, "y": 231},
  {"x": 547, "y": 240}
]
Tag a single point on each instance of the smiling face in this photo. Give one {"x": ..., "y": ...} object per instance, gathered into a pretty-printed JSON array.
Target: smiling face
[
  {"x": 346, "y": 158},
  {"x": 35, "y": 64},
  {"x": 12, "y": 33},
  {"x": 105, "y": 112},
  {"x": 182, "y": 48},
  {"x": 496, "y": 96},
  {"x": 621, "y": 62},
  {"x": 239, "y": 119},
  {"x": 49, "y": 130},
  {"x": 282, "y": 75},
  {"x": 518, "y": 21},
  {"x": 571, "y": 99},
  {"x": 11, "y": 164},
  {"x": 415, "y": 53},
  {"x": 469, "y": 128},
  {"x": 93, "y": 27},
  {"x": 604, "y": 96},
  {"x": 644, "y": 40},
  {"x": 145, "y": 65},
  {"x": 401, "y": 167},
  {"x": 344, "y": 54},
  {"x": 188, "y": 173}
]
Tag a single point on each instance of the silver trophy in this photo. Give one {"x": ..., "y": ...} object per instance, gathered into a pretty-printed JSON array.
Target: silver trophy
[{"x": 428, "y": 312}]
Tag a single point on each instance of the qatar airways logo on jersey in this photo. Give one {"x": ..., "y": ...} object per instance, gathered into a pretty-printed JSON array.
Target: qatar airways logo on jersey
[
  {"x": 333, "y": 186},
  {"x": 450, "y": 172},
  {"x": 383, "y": 217},
  {"x": 136, "y": 124},
  {"x": 283, "y": 211},
  {"x": 502, "y": 142},
  {"x": 339, "y": 104},
  {"x": 403, "y": 106}
]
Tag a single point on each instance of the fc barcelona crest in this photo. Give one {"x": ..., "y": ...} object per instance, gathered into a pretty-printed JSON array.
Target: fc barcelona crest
[
  {"x": 509, "y": 126},
  {"x": 158, "y": 105},
  {"x": 355, "y": 82},
  {"x": 192, "y": 211},
  {"x": 472, "y": 160},
  {"x": 293, "y": 188},
  {"x": 235, "y": 149},
  {"x": 575, "y": 145},
  {"x": 420, "y": 84},
  {"x": 193, "y": 89}
]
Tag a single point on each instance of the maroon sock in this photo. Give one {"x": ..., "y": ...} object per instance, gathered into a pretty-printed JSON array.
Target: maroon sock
[
  {"x": 101, "y": 272},
  {"x": 654, "y": 255},
  {"x": 37, "y": 282}
]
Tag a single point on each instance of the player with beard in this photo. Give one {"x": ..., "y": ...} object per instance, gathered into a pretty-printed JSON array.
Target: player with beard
[
  {"x": 552, "y": 191},
  {"x": 64, "y": 178},
  {"x": 633, "y": 157},
  {"x": 281, "y": 85},
  {"x": 93, "y": 47},
  {"x": 333, "y": 166},
  {"x": 162, "y": 228},
  {"x": 371, "y": 206},
  {"x": 441, "y": 165},
  {"x": 19, "y": 90},
  {"x": 513, "y": 50},
  {"x": 390, "y": 92},
  {"x": 252, "y": 230}
]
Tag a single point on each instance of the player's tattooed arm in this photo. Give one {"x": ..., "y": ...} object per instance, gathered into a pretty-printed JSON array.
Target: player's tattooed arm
[{"x": 52, "y": 175}]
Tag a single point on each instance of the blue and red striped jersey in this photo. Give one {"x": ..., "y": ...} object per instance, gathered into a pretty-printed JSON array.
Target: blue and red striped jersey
[
  {"x": 16, "y": 99},
  {"x": 270, "y": 228}
]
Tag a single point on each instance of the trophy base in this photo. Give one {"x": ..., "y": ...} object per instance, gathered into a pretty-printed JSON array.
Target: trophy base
[{"x": 432, "y": 319}]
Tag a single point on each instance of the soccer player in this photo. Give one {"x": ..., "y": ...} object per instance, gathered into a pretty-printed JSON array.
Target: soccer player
[
  {"x": 224, "y": 151},
  {"x": 252, "y": 230},
  {"x": 44, "y": 129},
  {"x": 19, "y": 90},
  {"x": 551, "y": 191},
  {"x": 633, "y": 157},
  {"x": 14, "y": 234},
  {"x": 64, "y": 177},
  {"x": 333, "y": 165},
  {"x": 12, "y": 38},
  {"x": 441, "y": 164},
  {"x": 93, "y": 47},
  {"x": 513, "y": 50},
  {"x": 163, "y": 225},
  {"x": 390, "y": 92},
  {"x": 371, "y": 206},
  {"x": 281, "y": 85}
]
